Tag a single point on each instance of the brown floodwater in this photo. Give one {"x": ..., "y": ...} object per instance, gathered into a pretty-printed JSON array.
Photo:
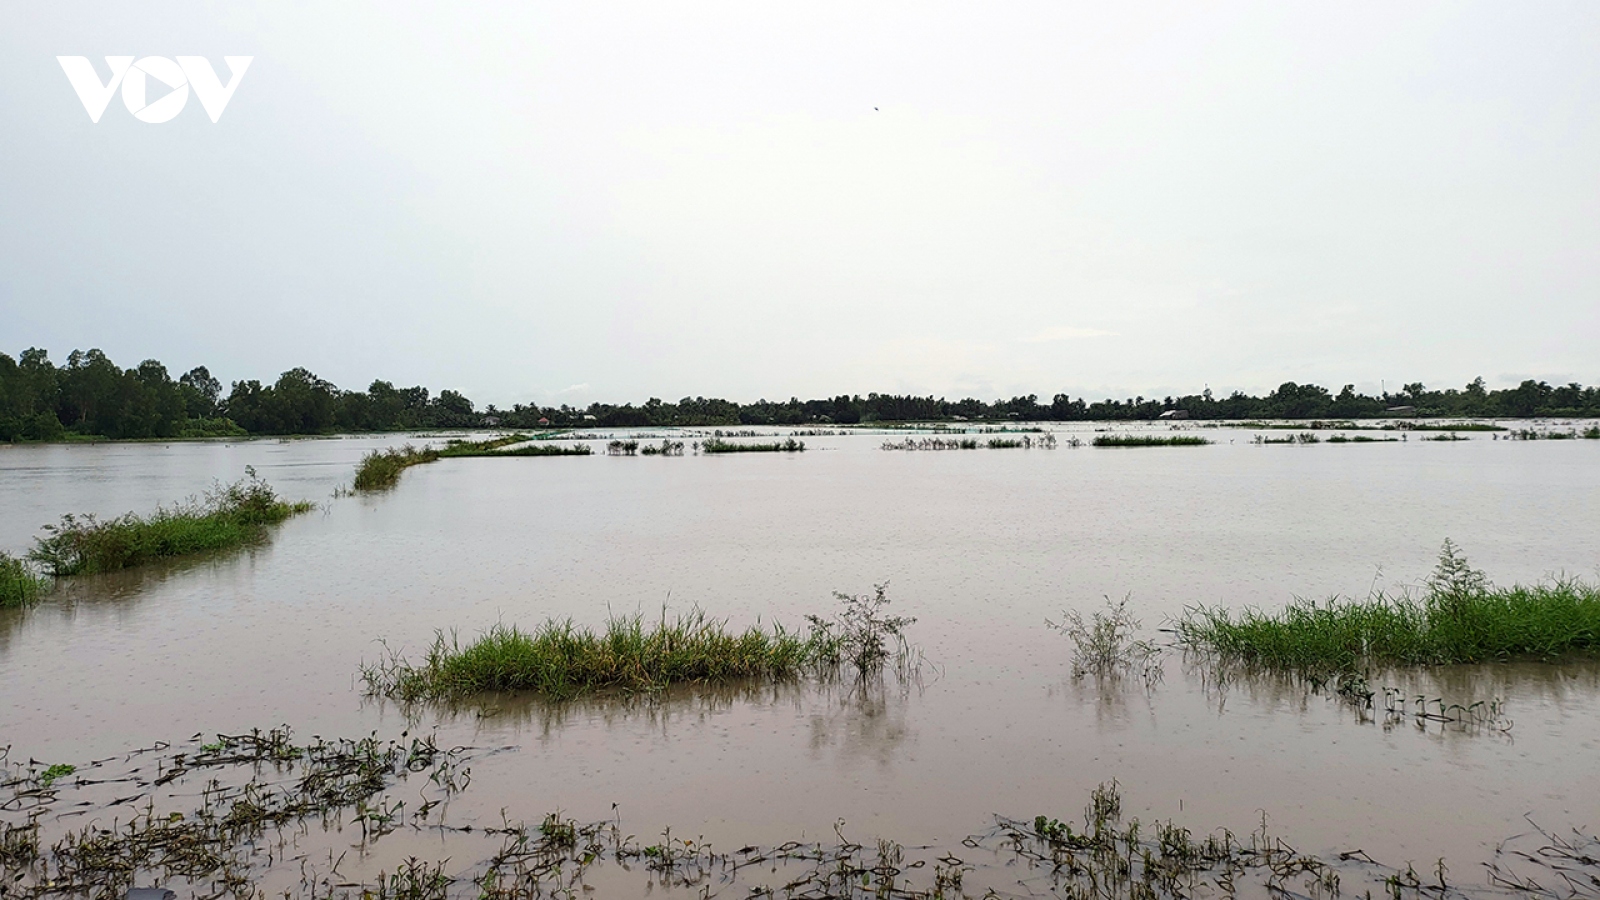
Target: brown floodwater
[{"x": 981, "y": 546}]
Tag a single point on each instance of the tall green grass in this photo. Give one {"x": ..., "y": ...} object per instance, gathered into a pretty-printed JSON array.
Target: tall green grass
[
  {"x": 560, "y": 659},
  {"x": 718, "y": 445},
  {"x": 1148, "y": 440},
  {"x": 228, "y": 516},
  {"x": 380, "y": 469},
  {"x": 19, "y": 584},
  {"x": 1459, "y": 618}
]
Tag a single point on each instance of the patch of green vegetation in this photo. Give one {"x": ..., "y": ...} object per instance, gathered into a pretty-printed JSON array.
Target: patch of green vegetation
[
  {"x": 1459, "y": 618},
  {"x": 718, "y": 445},
  {"x": 1447, "y": 436},
  {"x": 19, "y": 584},
  {"x": 228, "y": 516},
  {"x": 380, "y": 469},
  {"x": 487, "y": 447},
  {"x": 58, "y": 771},
  {"x": 1148, "y": 440},
  {"x": 560, "y": 659}
]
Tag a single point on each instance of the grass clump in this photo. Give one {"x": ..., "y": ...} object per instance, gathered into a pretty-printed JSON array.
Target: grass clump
[
  {"x": 19, "y": 584},
  {"x": 561, "y": 660},
  {"x": 718, "y": 445},
  {"x": 1149, "y": 440},
  {"x": 380, "y": 469},
  {"x": 1460, "y": 617},
  {"x": 228, "y": 516}
]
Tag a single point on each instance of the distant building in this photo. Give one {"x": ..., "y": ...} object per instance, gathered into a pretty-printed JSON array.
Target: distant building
[
  {"x": 1401, "y": 410},
  {"x": 543, "y": 421},
  {"x": 491, "y": 421},
  {"x": 1174, "y": 414}
]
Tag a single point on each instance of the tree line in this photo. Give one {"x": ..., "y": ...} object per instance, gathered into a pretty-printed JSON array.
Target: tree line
[{"x": 92, "y": 396}]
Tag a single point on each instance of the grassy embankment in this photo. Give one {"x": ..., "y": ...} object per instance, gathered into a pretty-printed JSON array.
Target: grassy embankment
[
  {"x": 227, "y": 517},
  {"x": 559, "y": 659},
  {"x": 1148, "y": 440},
  {"x": 381, "y": 469},
  {"x": 718, "y": 445},
  {"x": 1459, "y": 618}
]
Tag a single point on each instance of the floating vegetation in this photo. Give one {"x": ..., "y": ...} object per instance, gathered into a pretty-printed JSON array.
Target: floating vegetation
[
  {"x": 380, "y": 469},
  {"x": 1149, "y": 440},
  {"x": 717, "y": 445},
  {"x": 19, "y": 583},
  {"x": 1460, "y": 618},
  {"x": 230, "y": 840},
  {"x": 228, "y": 516},
  {"x": 1105, "y": 646},
  {"x": 272, "y": 819}
]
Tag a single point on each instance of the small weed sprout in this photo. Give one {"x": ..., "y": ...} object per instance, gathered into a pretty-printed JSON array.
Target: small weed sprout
[
  {"x": 1104, "y": 646},
  {"x": 863, "y": 635}
]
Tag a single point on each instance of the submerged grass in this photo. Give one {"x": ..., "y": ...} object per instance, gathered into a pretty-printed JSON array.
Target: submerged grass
[
  {"x": 19, "y": 584},
  {"x": 1149, "y": 440},
  {"x": 228, "y": 516},
  {"x": 1459, "y": 618},
  {"x": 559, "y": 659},
  {"x": 718, "y": 445},
  {"x": 380, "y": 469}
]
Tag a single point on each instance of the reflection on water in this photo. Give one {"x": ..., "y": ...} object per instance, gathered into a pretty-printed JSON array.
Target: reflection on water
[{"x": 981, "y": 547}]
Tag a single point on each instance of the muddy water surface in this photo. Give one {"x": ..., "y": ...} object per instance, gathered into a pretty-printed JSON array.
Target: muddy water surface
[{"x": 981, "y": 546}]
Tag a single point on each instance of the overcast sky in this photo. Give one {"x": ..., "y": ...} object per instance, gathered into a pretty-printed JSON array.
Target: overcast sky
[{"x": 593, "y": 201}]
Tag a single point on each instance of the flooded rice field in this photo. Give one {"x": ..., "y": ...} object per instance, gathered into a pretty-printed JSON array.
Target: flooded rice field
[{"x": 982, "y": 547}]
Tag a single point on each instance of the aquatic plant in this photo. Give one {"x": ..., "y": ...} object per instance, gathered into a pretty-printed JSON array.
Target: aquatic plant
[
  {"x": 380, "y": 469},
  {"x": 19, "y": 584},
  {"x": 717, "y": 445},
  {"x": 1304, "y": 437},
  {"x": 559, "y": 659},
  {"x": 1105, "y": 644},
  {"x": 1459, "y": 618},
  {"x": 228, "y": 516},
  {"x": 1149, "y": 440},
  {"x": 622, "y": 448}
]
